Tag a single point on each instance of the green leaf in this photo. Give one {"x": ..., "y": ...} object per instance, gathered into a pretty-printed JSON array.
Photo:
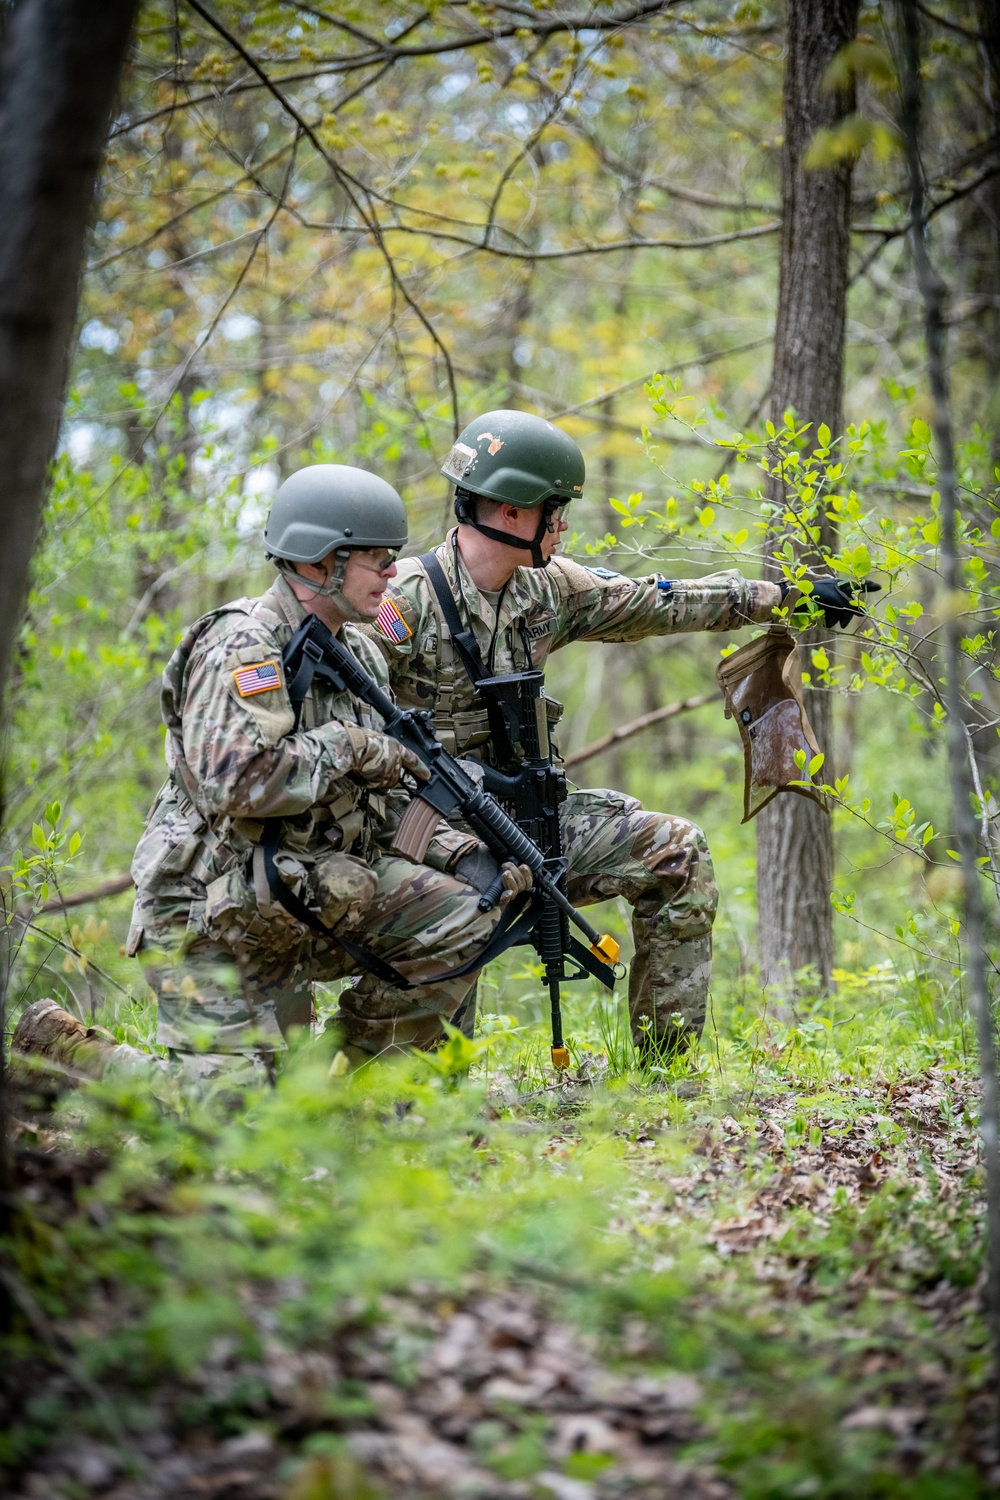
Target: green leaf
[
  {"x": 823, "y": 434},
  {"x": 38, "y": 837},
  {"x": 816, "y": 764}
]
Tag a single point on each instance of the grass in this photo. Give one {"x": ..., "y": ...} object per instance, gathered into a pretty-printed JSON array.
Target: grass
[{"x": 791, "y": 1214}]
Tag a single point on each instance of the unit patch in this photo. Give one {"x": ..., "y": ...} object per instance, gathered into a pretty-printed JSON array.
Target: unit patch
[
  {"x": 603, "y": 573},
  {"x": 391, "y": 622},
  {"x": 262, "y": 678}
]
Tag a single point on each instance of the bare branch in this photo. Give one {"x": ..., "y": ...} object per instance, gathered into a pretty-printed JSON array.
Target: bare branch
[
  {"x": 571, "y": 252},
  {"x": 696, "y": 360},
  {"x": 635, "y": 726},
  {"x": 348, "y": 183},
  {"x": 113, "y": 886},
  {"x": 390, "y": 53},
  {"x": 939, "y": 20},
  {"x": 932, "y": 209}
]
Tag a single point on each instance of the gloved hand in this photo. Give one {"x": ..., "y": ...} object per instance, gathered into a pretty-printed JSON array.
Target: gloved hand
[
  {"x": 380, "y": 760},
  {"x": 480, "y": 869},
  {"x": 516, "y": 880},
  {"x": 840, "y": 602}
]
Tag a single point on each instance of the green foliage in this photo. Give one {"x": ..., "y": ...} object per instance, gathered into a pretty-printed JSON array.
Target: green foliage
[{"x": 319, "y": 1207}]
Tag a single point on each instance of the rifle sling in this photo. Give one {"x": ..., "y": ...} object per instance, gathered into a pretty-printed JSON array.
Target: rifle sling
[
  {"x": 512, "y": 928},
  {"x": 464, "y": 641}
]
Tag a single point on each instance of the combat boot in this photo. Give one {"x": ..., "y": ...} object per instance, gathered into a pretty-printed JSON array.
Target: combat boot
[{"x": 45, "y": 1033}]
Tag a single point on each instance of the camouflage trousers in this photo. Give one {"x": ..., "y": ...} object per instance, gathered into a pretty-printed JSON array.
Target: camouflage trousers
[
  {"x": 216, "y": 999},
  {"x": 661, "y": 866},
  {"x": 231, "y": 999}
]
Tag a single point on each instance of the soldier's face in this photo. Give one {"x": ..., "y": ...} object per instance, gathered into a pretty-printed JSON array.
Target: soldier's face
[
  {"x": 524, "y": 523},
  {"x": 366, "y": 578}
]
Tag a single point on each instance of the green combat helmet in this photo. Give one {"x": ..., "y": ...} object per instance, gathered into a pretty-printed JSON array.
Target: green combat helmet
[
  {"x": 517, "y": 459},
  {"x": 332, "y": 508}
]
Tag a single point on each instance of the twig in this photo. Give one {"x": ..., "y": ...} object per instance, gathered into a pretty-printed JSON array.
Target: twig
[
  {"x": 898, "y": 230},
  {"x": 113, "y": 886},
  {"x": 634, "y": 726}
]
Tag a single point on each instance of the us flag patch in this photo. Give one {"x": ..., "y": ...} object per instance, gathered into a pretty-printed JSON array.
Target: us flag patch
[
  {"x": 259, "y": 679},
  {"x": 391, "y": 622}
]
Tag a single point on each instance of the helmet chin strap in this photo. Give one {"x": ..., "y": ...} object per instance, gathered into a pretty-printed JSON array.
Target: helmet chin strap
[
  {"x": 332, "y": 589},
  {"x": 465, "y": 512}
]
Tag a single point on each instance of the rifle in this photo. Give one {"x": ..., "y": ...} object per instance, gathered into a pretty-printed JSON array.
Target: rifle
[
  {"x": 452, "y": 792},
  {"x": 526, "y": 780}
]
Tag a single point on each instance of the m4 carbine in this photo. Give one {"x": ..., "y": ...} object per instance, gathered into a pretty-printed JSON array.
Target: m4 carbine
[
  {"x": 452, "y": 792},
  {"x": 524, "y": 777}
]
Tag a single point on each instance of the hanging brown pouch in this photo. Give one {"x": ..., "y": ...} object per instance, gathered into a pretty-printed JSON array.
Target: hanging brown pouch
[{"x": 762, "y": 686}]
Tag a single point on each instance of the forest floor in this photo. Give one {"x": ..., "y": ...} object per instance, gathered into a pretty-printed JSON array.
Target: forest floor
[{"x": 758, "y": 1274}]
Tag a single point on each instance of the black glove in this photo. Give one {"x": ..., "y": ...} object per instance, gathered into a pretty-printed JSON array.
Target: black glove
[{"x": 840, "y": 602}]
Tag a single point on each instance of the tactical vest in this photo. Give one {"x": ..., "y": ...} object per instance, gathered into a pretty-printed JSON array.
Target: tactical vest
[
  {"x": 466, "y": 731},
  {"x": 181, "y": 845}
]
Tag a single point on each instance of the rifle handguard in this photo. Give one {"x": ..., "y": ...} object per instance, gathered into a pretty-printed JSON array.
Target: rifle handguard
[{"x": 415, "y": 830}]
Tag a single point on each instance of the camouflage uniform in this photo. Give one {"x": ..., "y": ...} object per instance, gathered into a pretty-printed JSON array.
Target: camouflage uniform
[
  {"x": 659, "y": 863},
  {"x": 231, "y": 967}
]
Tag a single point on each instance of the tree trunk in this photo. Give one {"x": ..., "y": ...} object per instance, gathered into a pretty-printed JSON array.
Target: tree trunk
[
  {"x": 794, "y": 838},
  {"x": 58, "y": 75},
  {"x": 59, "y": 70}
]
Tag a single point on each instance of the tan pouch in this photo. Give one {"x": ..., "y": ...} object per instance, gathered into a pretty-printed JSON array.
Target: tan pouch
[
  {"x": 762, "y": 686},
  {"x": 233, "y": 916}
]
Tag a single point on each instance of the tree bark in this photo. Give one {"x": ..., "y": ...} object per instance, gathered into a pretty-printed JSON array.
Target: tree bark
[
  {"x": 794, "y": 838},
  {"x": 59, "y": 71}
]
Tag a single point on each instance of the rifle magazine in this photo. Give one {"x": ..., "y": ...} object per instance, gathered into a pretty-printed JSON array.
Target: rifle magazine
[{"x": 415, "y": 831}]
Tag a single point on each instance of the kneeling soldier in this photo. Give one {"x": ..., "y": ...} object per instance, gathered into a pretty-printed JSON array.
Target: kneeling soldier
[
  {"x": 514, "y": 475},
  {"x": 266, "y": 849}
]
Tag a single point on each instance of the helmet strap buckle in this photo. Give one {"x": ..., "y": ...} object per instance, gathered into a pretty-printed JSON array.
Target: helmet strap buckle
[
  {"x": 465, "y": 513},
  {"x": 334, "y": 586}
]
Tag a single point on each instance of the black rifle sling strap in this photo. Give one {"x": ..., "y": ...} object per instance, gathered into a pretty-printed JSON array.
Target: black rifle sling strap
[
  {"x": 513, "y": 927},
  {"x": 293, "y": 904},
  {"x": 299, "y": 680},
  {"x": 510, "y": 929},
  {"x": 464, "y": 641}
]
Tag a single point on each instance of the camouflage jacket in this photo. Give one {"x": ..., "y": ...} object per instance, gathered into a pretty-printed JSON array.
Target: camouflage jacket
[
  {"x": 539, "y": 611},
  {"x": 235, "y": 757}
]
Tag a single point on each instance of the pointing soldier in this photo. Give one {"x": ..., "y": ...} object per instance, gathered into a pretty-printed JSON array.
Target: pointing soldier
[
  {"x": 498, "y": 584},
  {"x": 264, "y": 866}
]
